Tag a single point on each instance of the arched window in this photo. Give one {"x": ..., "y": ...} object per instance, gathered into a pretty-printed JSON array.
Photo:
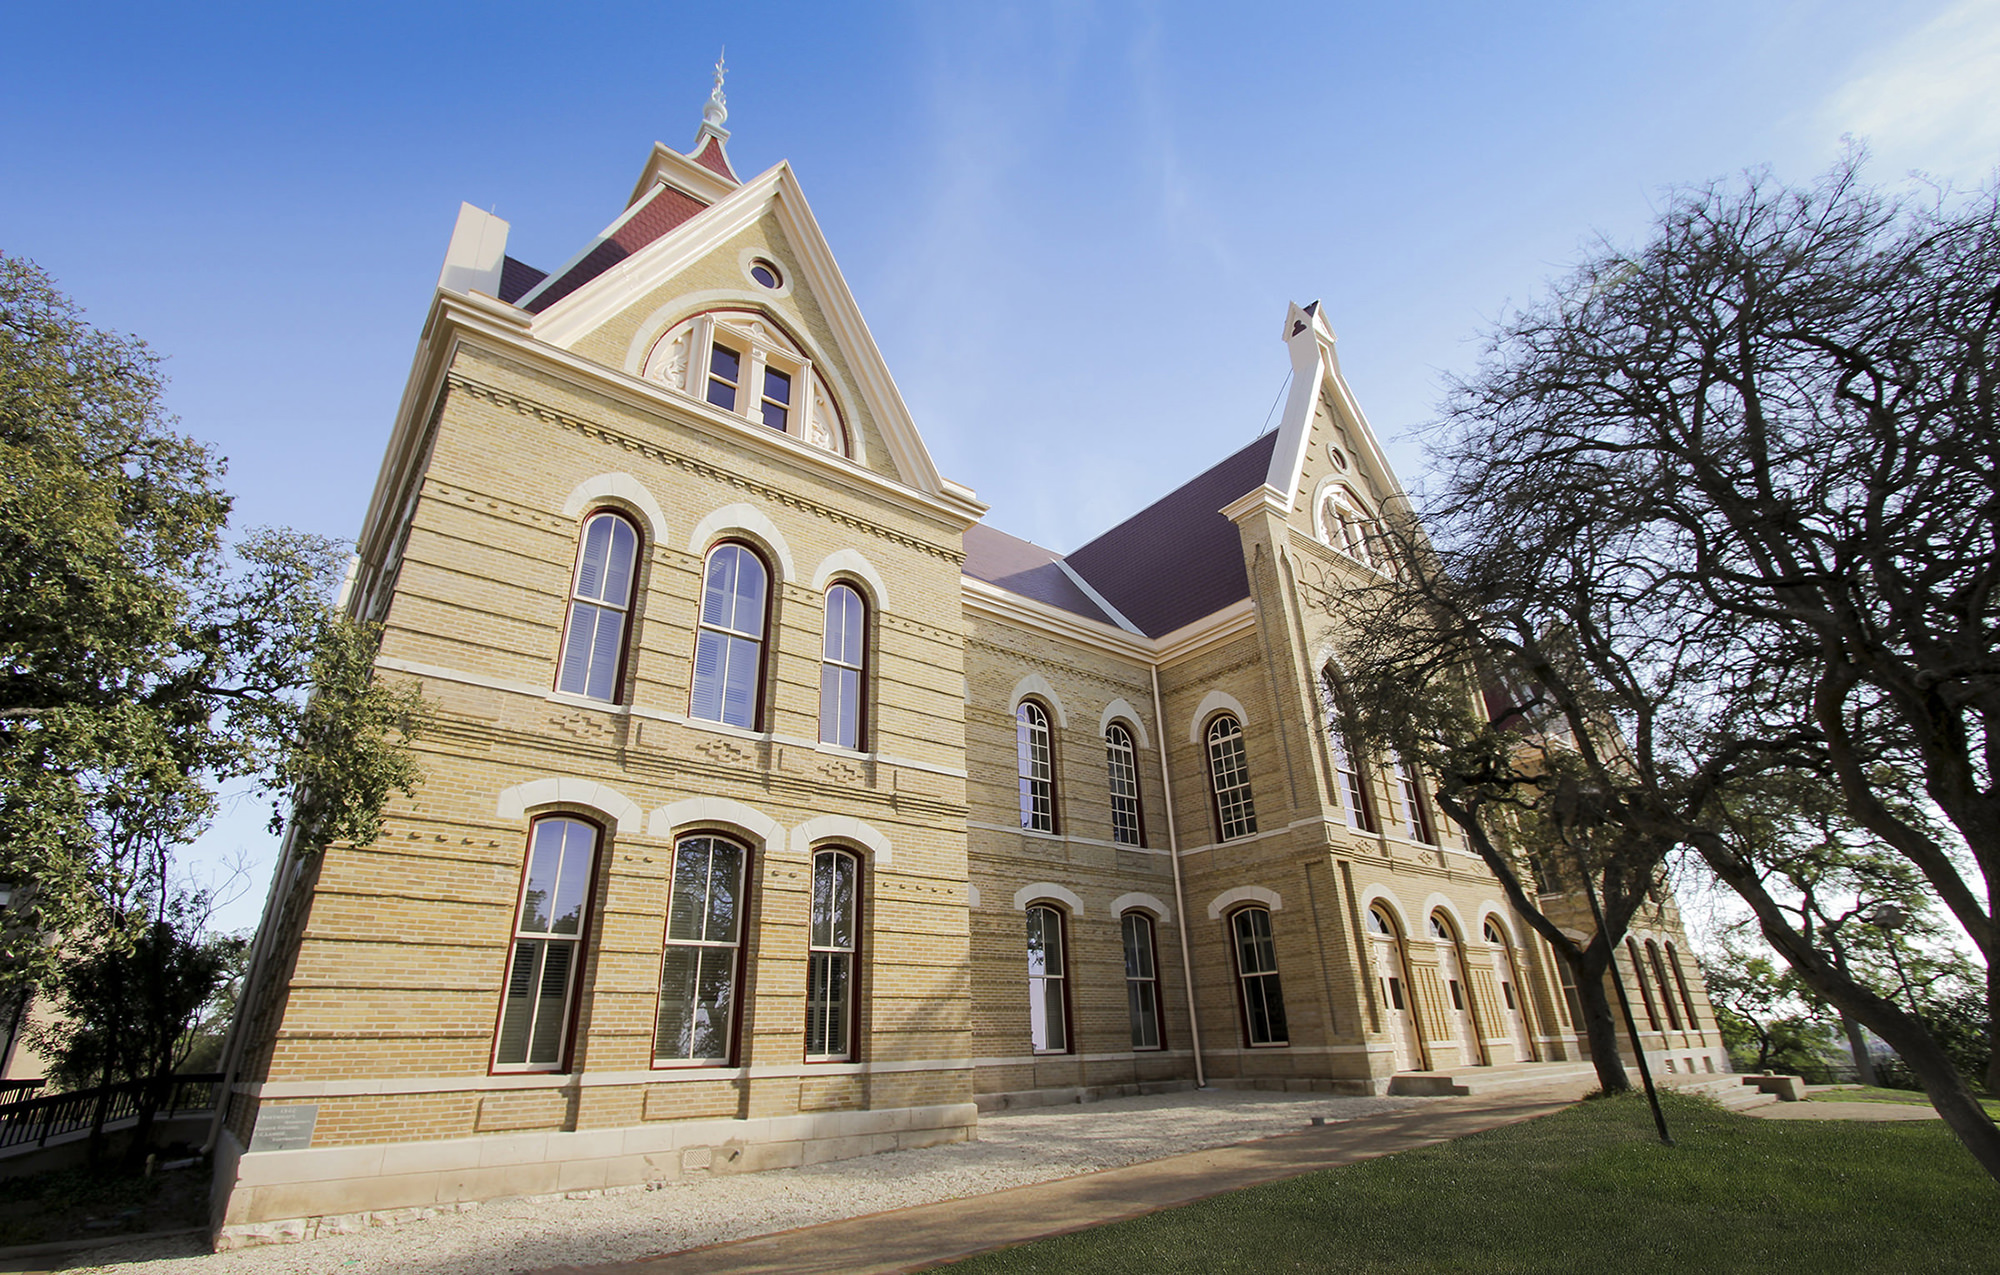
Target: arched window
[
  {"x": 1347, "y": 527},
  {"x": 1048, "y": 996},
  {"x": 549, "y": 927},
  {"x": 729, "y": 642},
  {"x": 1354, "y": 792},
  {"x": 833, "y": 944},
  {"x": 1681, "y": 982},
  {"x": 1639, "y": 977},
  {"x": 1121, "y": 760},
  {"x": 843, "y": 667},
  {"x": 743, "y": 362},
  {"x": 1416, "y": 805},
  {"x": 1503, "y": 961},
  {"x": 1229, "y": 779},
  {"x": 1142, "y": 979},
  {"x": 1257, "y": 978},
  {"x": 600, "y": 606},
  {"x": 703, "y": 958},
  {"x": 1666, "y": 988},
  {"x": 1035, "y": 764}
]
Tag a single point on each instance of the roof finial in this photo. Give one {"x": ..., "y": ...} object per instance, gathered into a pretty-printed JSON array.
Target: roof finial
[{"x": 717, "y": 109}]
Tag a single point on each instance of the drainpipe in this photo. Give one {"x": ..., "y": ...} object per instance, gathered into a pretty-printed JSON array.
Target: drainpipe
[{"x": 1180, "y": 896}]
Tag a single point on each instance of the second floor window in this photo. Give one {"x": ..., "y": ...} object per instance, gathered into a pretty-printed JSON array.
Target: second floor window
[
  {"x": 841, "y": 667},
  {"x": 600, "y": 607},
  {"x": 1229, "y": 779},
  {"x": 1416, "y": 805},
  {"x": 729, "y": 643},
  {"x": 1353, "y": 782},
  {"x": 1035, "y": 765},
  {"x": 1122, "y": 762}
]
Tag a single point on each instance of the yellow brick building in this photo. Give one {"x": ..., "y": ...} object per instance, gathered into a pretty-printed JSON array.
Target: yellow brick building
[{"x": 779, "y": 810}]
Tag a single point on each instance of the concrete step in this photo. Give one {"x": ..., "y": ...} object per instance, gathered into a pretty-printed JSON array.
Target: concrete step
[
  {"x": 1734, "y": 1092},
  {"x": 1577, "y": 1077}
]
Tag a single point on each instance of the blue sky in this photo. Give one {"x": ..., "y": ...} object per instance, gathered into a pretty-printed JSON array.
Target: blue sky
[{"x": 1073, "y": 227}]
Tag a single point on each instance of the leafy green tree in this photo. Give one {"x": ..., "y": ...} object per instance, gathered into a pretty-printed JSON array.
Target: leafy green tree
[
  {"x": 1769, "y": 1020},
  {"x": 145, "y": 661},
  {"x": 1730, "y": 500}
]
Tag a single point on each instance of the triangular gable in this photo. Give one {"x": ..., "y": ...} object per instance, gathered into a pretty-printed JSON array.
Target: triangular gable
[
  {"x": 776, "y": 194},
  {"x": 1318, "y": 388}
]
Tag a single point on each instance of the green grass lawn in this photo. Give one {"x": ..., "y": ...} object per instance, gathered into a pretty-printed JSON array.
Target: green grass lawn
[
  {"x": 1587, "y": 1190},
  {"x": 1868, "y": 1094}
]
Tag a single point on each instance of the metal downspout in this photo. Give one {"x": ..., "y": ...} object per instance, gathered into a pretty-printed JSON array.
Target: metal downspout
[{"x": 1180, "y": 896}]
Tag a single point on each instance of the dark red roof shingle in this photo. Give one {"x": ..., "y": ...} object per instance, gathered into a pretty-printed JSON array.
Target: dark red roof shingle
[
  {"x": 660, "y": 212},
  {"x": 518, "y": 279},
  {"x": 711, "y": 157},
  {"x": 1020, "y": 566}
]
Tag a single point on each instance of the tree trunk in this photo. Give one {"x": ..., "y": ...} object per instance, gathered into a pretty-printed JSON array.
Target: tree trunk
[
  {"x": 1992, "y": 1028},
  {"x": 1600, "y": 1028},
  {"x": 1864, "y": 1066}
]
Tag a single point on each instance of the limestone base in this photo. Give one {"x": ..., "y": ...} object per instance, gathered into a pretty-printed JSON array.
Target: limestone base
[{"x": 275, "y": 1197}]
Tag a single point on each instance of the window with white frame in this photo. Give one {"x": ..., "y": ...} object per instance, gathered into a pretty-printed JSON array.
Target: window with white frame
[
  {"x": 1035, "y": 766},
  {"x": 729, "y": 640},
  {"x": 696, "y": 1022},
  {"x": 1229, "y": 779},
  {"x": 842, "y": 670},
  {"x": 833, "y": 944},
  {"x": 1121, "y": 760},
  {"x": 1417, "y": 822},
  {"x": 549, "y": 926},
  {"x": 1354, "y": 793},
  {"x": 600, "y": 607},
  {"x": 1048, "y": 996},
  {"x": 1347, "y": 526},
  {"x": 1257, "y": 977},
  {"x": 1142, "y": 979},
  {"x": 744, "y": 362}
]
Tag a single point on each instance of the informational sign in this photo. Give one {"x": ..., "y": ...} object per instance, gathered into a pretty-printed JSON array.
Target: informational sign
[{"x": 288, "y": 1127}]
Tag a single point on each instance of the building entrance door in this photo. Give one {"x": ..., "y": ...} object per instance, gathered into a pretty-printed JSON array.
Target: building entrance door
[
  {"x": 1397, "y": 1009},
  {"x": 1511, "y": 994},
  {"x": 1457, "y": 994}
]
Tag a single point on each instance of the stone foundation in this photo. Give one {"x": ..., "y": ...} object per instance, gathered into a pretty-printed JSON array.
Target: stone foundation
[{"x": 271, "y": 1197}]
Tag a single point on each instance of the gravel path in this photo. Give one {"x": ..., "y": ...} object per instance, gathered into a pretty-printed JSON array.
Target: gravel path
[{"x": 1014, "y": 1149}]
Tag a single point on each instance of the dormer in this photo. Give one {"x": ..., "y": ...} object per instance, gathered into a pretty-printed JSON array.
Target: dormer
[{"x": 743, "y": 361}]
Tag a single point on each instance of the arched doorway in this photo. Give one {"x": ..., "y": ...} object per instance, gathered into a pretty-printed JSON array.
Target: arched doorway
[
  {"x": 1512, "y": 993},
  {"x": 1458, "y": 1012},
  {"x": 1392, "y": 979}
]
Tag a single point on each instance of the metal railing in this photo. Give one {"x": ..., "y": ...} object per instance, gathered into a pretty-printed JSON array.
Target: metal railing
[{"x": 36, "y": 1120}]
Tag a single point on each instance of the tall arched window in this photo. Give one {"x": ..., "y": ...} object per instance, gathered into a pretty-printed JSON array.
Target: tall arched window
[
  {"x": 1121, "y": 760},
  {"x": 1666, "y": 988},
  {"x": 703, "y": 958},
  {"x": 549, "y": 927},
  {"x": 1639, "y": 977},
  {"x": 729, "y": 642},
  {"x": 1417, "y": 822},
  {"x": 600, "y": 606},
  {"x": 1229, "y": 779},
  {"x": 1257, "y": 978},
  {"x": 1048, "y": 976},
  {"x": 833, "y": 946},
  {"x": 1142, "y": 979},
  {"x": 1681, "y": 982},
  {"x": 1035, "y": 765},
  {"x": 1354, "y": 792},
  {"x": 843, "y": 667}
]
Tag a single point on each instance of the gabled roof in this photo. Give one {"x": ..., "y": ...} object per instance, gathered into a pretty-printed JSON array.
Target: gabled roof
[
  {"x": 661, "y": 210},
  {"x": 518, "y": 279},
  {"x": 712, "y": 157},
  {"x": 1024, "y": 568},
  {"x": 1179, "y": 558}
]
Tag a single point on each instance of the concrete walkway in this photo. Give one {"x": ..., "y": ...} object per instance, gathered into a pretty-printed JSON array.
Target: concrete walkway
[
  {"x": 1844, "y": 1111},
  {"x": 915, "y": 1238}
]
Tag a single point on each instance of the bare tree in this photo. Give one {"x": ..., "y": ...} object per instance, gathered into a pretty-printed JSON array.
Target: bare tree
[{"x": 1734, "y": 496}]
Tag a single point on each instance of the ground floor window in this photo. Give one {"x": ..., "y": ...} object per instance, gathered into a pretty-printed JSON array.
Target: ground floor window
[
  {"x": 548, "y": 942},
  {"x": 1142, "y": 980},
  {"x": 699, "y": 969},
  {"x": 1048, "y": 1008},
  {"x": 1257, "y": 978},
  {"x": 833, "y": 943}
]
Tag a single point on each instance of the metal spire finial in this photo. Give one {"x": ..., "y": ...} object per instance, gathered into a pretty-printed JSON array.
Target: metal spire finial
[{"x": 717, "y": 109}]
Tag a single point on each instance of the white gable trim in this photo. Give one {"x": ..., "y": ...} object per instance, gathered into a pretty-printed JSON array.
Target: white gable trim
[
  {"x": 753, "y": 522},
  {"x": 1123, "y": 711},
  {"x": 568, "y": 790},
  {"x": 669, "y": 819},
  {"x": 626, "y": 490},
  {"x": 843, "y": 828},
  {"x": 776, "y": 192},
  {"x": 1212, "y": 703},
  {"x": 1048, "y": 890},
  {"x": 850, "y": 562},
  {"x": 1144, "y": 902},
  {"x": 1219, "y": 906}
]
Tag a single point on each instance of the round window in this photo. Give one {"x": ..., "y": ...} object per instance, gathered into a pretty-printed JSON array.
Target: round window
[{"x": 766, "y": 273}]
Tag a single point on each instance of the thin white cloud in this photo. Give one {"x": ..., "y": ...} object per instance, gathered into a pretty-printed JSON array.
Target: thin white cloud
[{"x": 1930, "y": 100}]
